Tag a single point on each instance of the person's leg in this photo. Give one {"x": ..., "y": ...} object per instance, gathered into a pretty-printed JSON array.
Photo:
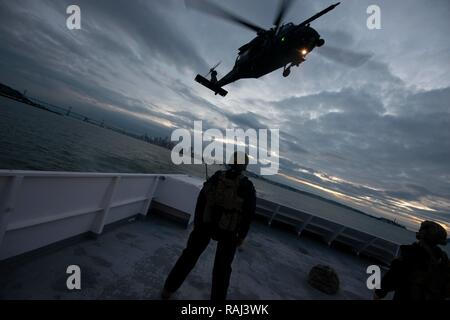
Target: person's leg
[
  {"x": 197, "y": 243},
  {"x": 225, "y": 252}
]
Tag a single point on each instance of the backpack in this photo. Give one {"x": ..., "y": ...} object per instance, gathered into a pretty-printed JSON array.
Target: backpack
[
  {"x": 223, "y": 207},
  {"x": 438, "y": 281},
  {"x": 430, "y": 278}
]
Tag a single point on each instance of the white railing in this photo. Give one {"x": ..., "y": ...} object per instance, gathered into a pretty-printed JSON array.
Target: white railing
[
  {"x": 41, "y": 208},
  {"x": 370, "y": 244}
]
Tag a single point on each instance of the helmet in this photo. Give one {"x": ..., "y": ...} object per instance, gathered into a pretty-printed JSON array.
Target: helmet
[
  {"x": 238, "y": 161},
  {"x": 432, "y": 233}
]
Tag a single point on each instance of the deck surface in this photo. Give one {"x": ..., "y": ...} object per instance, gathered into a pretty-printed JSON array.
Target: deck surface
[{"x": 132, "y": 260}]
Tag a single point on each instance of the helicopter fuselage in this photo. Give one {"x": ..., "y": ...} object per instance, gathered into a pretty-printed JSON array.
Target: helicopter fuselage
[
  {"x": 284, "y": 45},
  {"x": 268, "y": 52}
]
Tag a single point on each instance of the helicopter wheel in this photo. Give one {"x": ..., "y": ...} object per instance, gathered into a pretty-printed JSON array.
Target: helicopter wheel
[{"x": 286, "y": 72}]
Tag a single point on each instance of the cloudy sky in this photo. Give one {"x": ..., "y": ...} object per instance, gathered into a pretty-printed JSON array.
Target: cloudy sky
[{"x": 365, "y": 120}]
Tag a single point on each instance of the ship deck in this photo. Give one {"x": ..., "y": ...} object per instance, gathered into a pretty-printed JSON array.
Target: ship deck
[{"x": 132, "y": 259}]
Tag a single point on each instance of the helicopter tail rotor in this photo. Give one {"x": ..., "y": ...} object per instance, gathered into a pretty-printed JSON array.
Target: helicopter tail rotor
[
  {"x": 213, "y": 69},
  {"x": 210, "y": 85}
]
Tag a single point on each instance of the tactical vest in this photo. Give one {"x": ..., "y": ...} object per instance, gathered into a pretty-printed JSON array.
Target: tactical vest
[
  {"x": 223, "y": 205},
  {"x": 430, "y": 280}
]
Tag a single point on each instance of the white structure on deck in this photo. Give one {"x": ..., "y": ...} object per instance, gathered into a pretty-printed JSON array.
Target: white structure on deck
[{"x": 41, "y": 208}]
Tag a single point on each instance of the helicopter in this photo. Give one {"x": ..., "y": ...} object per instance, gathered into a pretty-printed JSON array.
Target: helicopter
[{"x": 282, "y": 46}]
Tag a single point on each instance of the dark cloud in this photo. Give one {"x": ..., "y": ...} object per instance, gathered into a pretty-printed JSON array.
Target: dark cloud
[
  {"x": 147, "y": 26},
  {"x": 347, "y": 57},
  {"x": 427, "y": 102},
  {"x": 246, "y": 120},
  {"x": 380, "y": 148},
  {"x": 345, "y": 100}
]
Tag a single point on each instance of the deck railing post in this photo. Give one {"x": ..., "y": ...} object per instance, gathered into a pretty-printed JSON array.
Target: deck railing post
[
  {"x": 8, "y": 207},
  {"x": 150, "y": 197},
  {"x": 277, "y": 209},
  {"x": 365, "y": 245},
  {"x": 303, "y": 225},
  {"x": 334, "y": 235},
  {"x": 397, "y": 251},
  {"x": 99, "y": 221}
]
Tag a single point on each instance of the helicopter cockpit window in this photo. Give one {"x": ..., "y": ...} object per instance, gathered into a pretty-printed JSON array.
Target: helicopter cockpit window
[{"x": 288, "y": 26}]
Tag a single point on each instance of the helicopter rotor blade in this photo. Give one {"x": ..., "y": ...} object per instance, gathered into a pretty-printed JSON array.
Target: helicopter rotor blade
[
  {"x": 215, "y": 10},
  {"x": 318, "y": 15},
  {"x": 218, "y": 64},
  {"x": 282, "y": 10}
]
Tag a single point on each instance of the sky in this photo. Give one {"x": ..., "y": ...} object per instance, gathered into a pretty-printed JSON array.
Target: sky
[{"x": 365, "y": 120}]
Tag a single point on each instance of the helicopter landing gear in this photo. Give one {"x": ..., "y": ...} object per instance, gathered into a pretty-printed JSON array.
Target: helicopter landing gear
[{"x": 286, "y": 71}]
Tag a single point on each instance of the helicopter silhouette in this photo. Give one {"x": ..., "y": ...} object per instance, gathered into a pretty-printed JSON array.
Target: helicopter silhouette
[{"x": 282, "y": 46}]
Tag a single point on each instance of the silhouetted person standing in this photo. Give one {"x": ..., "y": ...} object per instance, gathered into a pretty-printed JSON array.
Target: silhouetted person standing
[
  {"x": 422, "y": 270},
  {"x": 224, "y": 211}
]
